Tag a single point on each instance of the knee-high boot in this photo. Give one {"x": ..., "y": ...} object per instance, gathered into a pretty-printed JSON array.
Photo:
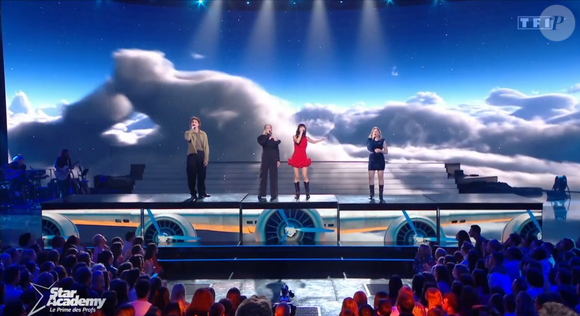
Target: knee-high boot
[
  {"x": 381, "y": 188},
  {"x": 371, "y": 192},
  {"x": 297, "y": 189},
  {"x": 307, "y": 188}
]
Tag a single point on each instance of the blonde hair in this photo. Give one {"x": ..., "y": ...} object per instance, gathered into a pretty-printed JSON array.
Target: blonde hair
[{"x": 378, "y": 130}]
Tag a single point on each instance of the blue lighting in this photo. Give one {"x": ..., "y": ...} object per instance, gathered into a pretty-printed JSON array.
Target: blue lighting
[{"x": 248, "y": 2}]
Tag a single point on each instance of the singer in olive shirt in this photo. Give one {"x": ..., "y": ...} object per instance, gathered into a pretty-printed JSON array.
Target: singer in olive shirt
[{"x": 197, "y": 159}]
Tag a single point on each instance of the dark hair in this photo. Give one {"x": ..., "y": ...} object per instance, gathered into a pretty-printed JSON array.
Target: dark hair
[
  {"x": 535, "y": 278},
  {"x": 120, "y": 287},
  {"x": 24, "y": 240},
  {"x": 509, "y": 303},
  {"x": 194, "y": 118},
  {"x": 138, "y": 241},
  {"x": 11, "y": 274},
  {"x": 64, "y": 152},
  {"x": 83, "y": 275},
  {"x": 129, "y": 235},
  {"x": 255, "y": 306},
  {"x": 150, "y": 251},
  {"x": 142, "y": 288},
  {"x": 565, "y": 276},
  {"x": 136, "y": 249},
  {"x": 298, "y": 132},
  {"x": 395, "y": 285},
  {"x": 476, "y": 228}
]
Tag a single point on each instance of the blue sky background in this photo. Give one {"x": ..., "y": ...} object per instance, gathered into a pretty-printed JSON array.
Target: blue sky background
[{"x": 62, "y": 50}]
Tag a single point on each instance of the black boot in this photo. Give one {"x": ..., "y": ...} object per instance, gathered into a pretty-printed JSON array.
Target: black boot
[
  {"x": 372, "y": 192},
  {"x": 297, "y": 188},
  {"x": 307, "y": 188},
  {"x": 381, "y": 188}
]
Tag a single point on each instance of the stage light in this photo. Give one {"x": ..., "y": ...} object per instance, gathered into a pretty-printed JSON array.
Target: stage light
[
  {"x": 200, "y": 1},
  {"x": 247, "y": 2}
]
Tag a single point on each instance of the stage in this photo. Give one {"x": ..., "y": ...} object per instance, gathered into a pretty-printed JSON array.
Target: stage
[{"x": 236, "y": 235}]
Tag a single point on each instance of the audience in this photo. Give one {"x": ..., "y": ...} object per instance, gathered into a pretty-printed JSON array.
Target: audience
[{"x": 523, "y": 276}]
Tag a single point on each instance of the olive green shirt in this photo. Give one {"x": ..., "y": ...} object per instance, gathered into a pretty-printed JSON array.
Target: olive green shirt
[{"x": 196, "y": 142}]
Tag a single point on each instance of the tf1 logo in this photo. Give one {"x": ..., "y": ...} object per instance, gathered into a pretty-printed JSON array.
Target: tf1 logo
[{"x": 546, "y": 23}]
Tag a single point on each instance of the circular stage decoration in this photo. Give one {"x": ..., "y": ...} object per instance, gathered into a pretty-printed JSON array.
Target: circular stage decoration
[{"x": 289, "y": 226}]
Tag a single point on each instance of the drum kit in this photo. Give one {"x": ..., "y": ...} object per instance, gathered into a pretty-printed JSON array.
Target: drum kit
[{"x": 22, "y": 187}]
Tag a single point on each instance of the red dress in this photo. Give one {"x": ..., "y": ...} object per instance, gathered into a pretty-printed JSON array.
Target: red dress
[{"x": 299, "y": 158}]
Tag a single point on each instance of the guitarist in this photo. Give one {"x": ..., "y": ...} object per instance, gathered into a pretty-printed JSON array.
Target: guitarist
[{"x": 63, "y": 166}]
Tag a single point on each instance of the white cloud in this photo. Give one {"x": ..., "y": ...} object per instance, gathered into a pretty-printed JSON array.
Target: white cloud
[
  {"x": 426, "y": 98},
  {"x": 531, "y": 107},
  {"x": 197, "y": 56},
  {"x": 20, "y": 104},
  {"x": 574, "y": 89},
  {"x": 146, "y": 105},
  {"x": 394, "y": 72},
  {"x": 122, "y": 136},
  {"x": 20, "y": 111}
]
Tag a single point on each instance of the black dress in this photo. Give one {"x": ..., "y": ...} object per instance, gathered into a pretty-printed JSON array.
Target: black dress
[{"x": 376, "y": 160}]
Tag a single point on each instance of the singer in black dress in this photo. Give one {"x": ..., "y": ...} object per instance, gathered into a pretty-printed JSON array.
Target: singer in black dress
[
  {"x": 377, "y": 147},
  {"x": 269, "y": 163}
]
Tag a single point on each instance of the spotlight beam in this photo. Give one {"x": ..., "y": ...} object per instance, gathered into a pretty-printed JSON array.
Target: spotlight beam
[
  {"x": 260, "y": 49},
  {"x": 206, "y": 39}
]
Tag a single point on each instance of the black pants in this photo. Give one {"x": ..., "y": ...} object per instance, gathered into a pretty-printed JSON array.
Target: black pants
[
  {"x": 196, "y": 173},
  {"x": 64, "y": 187},
  {"x": 268, "y": 165}
]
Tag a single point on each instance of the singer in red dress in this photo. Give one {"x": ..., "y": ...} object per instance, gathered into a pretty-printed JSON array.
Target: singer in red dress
[{"x": 300, "y": 160}]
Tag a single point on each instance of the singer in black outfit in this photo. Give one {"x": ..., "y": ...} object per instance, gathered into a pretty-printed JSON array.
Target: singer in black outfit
[
  {"x": 64, "y": 186},
  {"x": 270, "y": 163}
]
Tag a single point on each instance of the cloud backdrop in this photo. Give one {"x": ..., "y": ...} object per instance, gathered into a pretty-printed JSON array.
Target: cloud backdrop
[{"x": 140, "y": 113}]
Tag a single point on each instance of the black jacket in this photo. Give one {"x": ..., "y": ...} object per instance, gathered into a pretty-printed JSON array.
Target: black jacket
[{"x": 270, "y": 147}]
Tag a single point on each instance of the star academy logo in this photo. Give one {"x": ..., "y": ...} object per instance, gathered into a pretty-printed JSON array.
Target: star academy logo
[{"x": 64, "y": 301}]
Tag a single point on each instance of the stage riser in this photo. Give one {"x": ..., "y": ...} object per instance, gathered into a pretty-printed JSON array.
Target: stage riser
[
  {"x": 286, "y": 269},
  {"x": 285, "y": 252}
]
